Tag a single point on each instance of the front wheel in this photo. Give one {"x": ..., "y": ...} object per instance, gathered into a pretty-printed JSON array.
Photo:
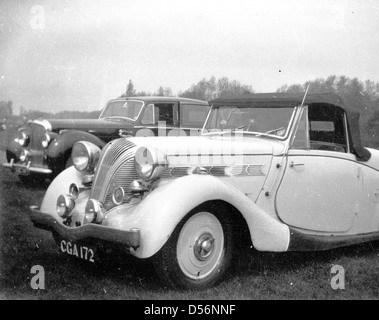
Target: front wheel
[{"x": 198, "y": 252}]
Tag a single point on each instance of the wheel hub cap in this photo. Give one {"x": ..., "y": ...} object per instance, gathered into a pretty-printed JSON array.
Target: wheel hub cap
[{"x": 204, "y": 246}]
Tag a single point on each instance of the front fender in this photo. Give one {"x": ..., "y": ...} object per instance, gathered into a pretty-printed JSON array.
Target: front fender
[
  {"x": 60, "y": 185},
  {"x": 59, "y": 149},
  {"x": 158, "y": 214}
]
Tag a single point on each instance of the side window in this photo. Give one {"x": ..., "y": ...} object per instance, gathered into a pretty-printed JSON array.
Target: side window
[
  {"x": 164, "y": 112},
  {"x": 159, "y": 112},
  {"x": 149, "y": 115},
  {"x": 327, "y": 128},
  {"x": 193, "y": 115},
  {"x": 324, "y": 128},
  {"x": 301, "y": 139}
]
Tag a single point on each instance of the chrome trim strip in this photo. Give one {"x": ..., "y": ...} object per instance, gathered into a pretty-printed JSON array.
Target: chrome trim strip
[{"x": 246, "y": 170}]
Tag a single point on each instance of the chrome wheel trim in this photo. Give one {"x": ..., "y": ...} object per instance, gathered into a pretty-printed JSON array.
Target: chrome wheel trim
[{"x": 200, "y": 245}]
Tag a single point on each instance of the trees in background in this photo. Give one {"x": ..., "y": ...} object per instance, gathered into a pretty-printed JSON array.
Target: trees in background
[
  {"x": 6, "y": 109},
  {"x": 203, "y": 90},
  {"x": 358, "y": 95},
  {"x": 166, "y": 91},
  {"x": 131, "y": 92},
  {"x": 215, "y": 88}
]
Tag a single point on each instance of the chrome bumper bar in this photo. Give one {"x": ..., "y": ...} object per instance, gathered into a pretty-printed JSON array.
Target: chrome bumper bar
[
  {"x": 130, "y": 239},
  {"x": 25, "y": 169}
]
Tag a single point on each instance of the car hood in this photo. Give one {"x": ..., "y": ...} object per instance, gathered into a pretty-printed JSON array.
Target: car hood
[
  {"x": 212, "y": 145},
  {"x": 88, "y": 124}
]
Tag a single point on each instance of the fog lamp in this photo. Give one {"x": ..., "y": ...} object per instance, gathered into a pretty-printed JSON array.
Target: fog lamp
[
  {"x": 74, "y": 191},
  {"x": 65, "y": 205},
  {"x": 94, "y": 212},
  {"x": 118, "y": 196}
]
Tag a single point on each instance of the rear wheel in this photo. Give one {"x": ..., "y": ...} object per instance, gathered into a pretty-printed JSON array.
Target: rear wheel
[{"x": 198, "y": 252}]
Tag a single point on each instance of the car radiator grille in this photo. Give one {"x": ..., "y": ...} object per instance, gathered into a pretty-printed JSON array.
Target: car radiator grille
[
  {"x": 115, "y": 169},
  {"x": 37, "y": 134}
]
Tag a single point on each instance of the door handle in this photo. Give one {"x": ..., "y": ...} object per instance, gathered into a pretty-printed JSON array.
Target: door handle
[{"x": 294, "y": 164}]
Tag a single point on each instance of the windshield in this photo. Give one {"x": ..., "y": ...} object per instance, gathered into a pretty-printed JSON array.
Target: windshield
[
  {"x": 122, "y": 109},
  {"x": 268, "y": 121}
]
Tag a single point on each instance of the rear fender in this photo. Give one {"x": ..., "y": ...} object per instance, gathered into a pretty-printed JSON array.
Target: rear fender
[{"x": 159, "y": 213}]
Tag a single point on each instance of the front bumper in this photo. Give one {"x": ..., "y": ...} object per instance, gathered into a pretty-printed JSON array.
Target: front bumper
[
  {"x": 130, "y": 239},
  {"x": 25, "y": 169}
]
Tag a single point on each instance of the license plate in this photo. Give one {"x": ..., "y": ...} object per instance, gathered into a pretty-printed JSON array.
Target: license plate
[
  {"x": 22, "y": 171},
  {"x": 78, "y": 251}
]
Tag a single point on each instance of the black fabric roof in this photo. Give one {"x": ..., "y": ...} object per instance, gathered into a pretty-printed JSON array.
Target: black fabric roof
[
  {"x": 285, "y": 99},
  {"x": 279, "y": 99}
]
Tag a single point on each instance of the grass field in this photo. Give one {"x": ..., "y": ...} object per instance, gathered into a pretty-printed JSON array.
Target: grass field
[{"x": 255, "y": 275}]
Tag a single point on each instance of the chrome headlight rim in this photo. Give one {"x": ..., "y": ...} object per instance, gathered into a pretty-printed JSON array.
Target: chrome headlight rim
[
  {"x": 85, "y": 156},
  {"x": 118, "y": 195},
  {"x": 150, "y": 163}
]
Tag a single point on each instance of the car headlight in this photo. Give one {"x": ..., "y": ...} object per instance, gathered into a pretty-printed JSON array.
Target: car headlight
[
  {"x": 150, "y": 163},
  {"x": 85, "y": 156},
  {"x": 23, "y": 138}
]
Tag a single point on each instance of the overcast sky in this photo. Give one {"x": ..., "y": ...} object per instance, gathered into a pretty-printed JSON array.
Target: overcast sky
[{"x": 75, "y": 55}]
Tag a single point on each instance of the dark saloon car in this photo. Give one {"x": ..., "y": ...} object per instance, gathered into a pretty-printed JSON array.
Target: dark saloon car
[{"x": 42, "y": 148}]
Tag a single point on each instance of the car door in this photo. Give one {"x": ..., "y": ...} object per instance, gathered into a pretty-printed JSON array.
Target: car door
[{"x": 318, "y": 190}]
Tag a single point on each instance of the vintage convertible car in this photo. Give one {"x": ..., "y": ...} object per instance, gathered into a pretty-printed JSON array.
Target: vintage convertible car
[
  {"x": 289, "y": 172},
  {"x": 42, "y": 149}
]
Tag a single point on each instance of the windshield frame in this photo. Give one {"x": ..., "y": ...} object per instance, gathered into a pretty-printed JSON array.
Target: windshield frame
[
  {"x": 251, "y": 133},
  {"x": 122, "y": 117}
]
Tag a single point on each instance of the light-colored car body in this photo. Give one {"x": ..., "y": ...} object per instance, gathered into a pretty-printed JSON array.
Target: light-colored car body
[{"x": 288, "y": 190}]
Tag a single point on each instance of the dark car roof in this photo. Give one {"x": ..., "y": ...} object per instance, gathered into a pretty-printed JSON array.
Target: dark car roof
[
  {"x": 162, "y": 98},
  {"x": 286, "y": 99},
  {"x": 279, "y": 99}
]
